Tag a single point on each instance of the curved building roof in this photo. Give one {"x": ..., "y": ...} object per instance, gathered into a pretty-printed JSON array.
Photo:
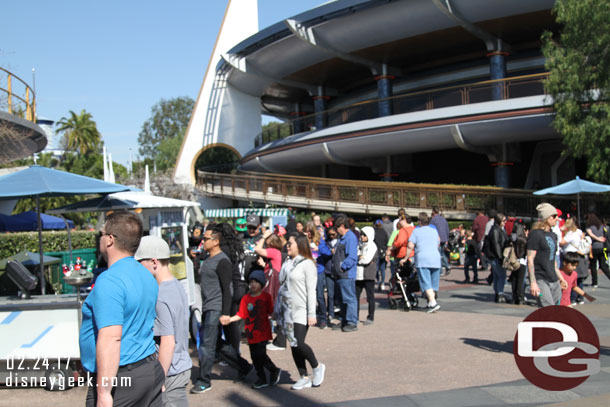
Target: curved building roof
[{"x": 342, "y": 45}]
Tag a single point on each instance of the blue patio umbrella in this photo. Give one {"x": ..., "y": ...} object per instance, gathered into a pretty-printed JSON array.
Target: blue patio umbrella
[
  {"x": 48, "y": 222},
  {"x": 37, "y": 182},
  {"x": 8, "y": 223},
  {"x": 575, "y": 187}
]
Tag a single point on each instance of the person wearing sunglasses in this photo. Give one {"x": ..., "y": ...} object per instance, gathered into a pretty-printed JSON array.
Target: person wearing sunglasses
[
  {"x": 216, "y": 273},
  {"x": 116, "y": 335},
  {"x": 546, "y": 281}
]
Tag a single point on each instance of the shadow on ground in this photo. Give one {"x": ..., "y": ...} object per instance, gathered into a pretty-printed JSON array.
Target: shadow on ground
[{"x": 490, "y": 346}]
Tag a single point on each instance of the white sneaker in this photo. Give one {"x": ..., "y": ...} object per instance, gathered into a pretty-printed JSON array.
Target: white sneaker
[
  {"x": 302, "y": 383},
  {"x": 271, "y": 346},
  {"x": 433, "y": 309},
  {"x": 318, "y": 375}
]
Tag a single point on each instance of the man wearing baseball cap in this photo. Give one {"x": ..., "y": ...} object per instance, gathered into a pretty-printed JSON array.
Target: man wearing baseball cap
[
  {"x": 171, "y": 323},
  {"x": 546, "y": 280}
]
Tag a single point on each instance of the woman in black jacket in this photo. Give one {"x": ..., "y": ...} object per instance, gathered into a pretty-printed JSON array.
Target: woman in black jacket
[
  {"x": 517, "y": 277},
  {"x": 495, "y": 242}
]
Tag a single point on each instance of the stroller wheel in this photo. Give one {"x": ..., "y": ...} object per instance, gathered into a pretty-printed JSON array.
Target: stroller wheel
[
  {"x": 393, "y": 304},
  {"x": 406, "y": 307},
  {"x": 414, "y": 302}
]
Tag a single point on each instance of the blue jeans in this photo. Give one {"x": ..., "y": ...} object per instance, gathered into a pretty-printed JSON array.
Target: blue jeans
[
  {"x": 444, "y": 261},
  {"x": 332, "y": 298},
  {"x": 349, "y": 303},
  {"x": 208, "y": 334},
  {"x": 321, "y": 310},
  {"x": 428, "y": 278},
  {"x": 499, "y": 274},
  {"x": 381, "y": 265},
  {"x": 210, "y": 342}
]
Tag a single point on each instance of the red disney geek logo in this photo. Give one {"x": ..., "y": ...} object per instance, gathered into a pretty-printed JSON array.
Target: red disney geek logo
[{"x": 556, "y": 348}]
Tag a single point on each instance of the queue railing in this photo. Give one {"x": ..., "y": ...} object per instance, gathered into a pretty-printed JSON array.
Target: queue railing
[
  {"x": 457, "y": 198},
  {"x": 18, "y": 98}
]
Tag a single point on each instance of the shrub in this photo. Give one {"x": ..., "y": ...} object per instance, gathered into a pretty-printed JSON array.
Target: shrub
[{"x": 52, "y": 241}]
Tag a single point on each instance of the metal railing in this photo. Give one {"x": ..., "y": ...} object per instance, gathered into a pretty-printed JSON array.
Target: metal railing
[
  {"x": 373, "y": 196},
  {"x": 21, "y": 103},
  {"x": 485, "y": 91}
]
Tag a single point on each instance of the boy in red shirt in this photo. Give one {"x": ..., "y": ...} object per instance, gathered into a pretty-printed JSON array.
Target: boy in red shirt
[
  {"x": 255, "y": 308},
  {"x": 568, "y": 271}
]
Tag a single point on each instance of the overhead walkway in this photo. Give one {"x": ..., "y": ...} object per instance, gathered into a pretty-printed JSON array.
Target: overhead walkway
[
  {"x": 367, "y": 197},
  {"x": 19, "y": 134}
]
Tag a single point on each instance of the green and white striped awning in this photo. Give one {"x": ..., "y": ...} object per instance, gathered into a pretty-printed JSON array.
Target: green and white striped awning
[{"x": 243, "y": 212}]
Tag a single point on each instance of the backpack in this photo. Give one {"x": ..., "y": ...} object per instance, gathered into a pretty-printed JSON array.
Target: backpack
[
  {"x": 510, "y": 262},
  {"x": 338, "y": 258},
  {"x": 584, "y": 246}
]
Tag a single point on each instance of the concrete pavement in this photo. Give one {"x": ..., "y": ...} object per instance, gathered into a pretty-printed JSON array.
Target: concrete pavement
[{"x": 460, "y": 356}]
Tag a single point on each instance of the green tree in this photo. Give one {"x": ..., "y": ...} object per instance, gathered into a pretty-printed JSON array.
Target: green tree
[
  {"x": 275, "y": 130},
  {"x": 80, "y": 132},
  {"x": 578, "y": 58},
  {"x": 217, "y": 159},
  {"x": 167, "y": 152},
  {"x": 169, "y": 119}
]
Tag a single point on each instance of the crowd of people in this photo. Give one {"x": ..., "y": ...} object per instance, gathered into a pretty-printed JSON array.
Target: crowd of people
[
  {"x": 553, "y": 256},
  {"x": 271, "y": 286}
]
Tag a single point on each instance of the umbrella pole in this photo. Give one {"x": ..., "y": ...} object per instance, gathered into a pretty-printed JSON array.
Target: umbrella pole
[
  {"x": 42, "y": 280},
  {"x": 578, "y": 208}
]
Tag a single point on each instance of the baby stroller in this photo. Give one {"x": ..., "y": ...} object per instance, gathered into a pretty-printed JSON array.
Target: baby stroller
[
  {"x": 403, "y": 285},
  {"x": 453, "y": 245}
]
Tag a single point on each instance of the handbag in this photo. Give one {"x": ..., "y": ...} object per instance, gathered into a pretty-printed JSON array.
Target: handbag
[{"x": 510, "y": 262}]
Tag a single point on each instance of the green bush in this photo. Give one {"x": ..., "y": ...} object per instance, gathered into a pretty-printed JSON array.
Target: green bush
[{"x": 53, "y": 241}]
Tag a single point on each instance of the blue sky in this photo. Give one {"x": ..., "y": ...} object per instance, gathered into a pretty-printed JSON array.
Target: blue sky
[{"x": 116, "y": 59}]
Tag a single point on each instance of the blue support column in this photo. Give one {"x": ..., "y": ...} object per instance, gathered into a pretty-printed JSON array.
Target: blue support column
[
  {"x": 497, "y": 68},
  {"x": 297, "y": 122},
  {"x": 502, "y": 174},
  {"x": 384, "y": 91},
  {"x": 319, "y": 104}
]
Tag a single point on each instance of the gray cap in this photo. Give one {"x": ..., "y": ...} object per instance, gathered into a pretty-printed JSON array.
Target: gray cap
[
  {"x": 152, "y": 247},
  {"x": 253, "y": 220}
]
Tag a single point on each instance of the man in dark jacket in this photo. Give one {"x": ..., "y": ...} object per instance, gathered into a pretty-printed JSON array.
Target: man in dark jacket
[
  {"x": 495, "y": 242},
  {"x": 381, "y": 240},
  {"x": 478, "y": 227}
]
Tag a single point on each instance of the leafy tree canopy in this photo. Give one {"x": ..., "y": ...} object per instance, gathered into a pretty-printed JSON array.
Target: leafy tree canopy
[
  {"x": 578, "y": 59},
  {"x": 80, "y": 132},
  {"x": 169, "y": 119}
]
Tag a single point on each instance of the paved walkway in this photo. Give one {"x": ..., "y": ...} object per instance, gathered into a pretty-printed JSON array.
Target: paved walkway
[{"x": 460, "y": 356}]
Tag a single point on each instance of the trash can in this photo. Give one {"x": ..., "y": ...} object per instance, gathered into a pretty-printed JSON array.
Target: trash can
[{"x": 57, "y": 276}]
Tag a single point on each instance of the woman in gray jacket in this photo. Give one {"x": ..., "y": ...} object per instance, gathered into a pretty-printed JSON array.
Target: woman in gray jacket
[{"x": 296, "y": 308}]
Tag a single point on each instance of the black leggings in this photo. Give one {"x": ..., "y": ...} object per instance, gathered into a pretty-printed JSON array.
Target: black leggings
[
  {"x": 260, "y": 360},
  {"x": 369, "y": 286},
  {"x": 302, "y": 351},
  {"x": 598, "y": 257}
]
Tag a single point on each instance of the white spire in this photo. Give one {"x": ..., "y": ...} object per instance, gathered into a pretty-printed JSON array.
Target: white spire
[
  {"x": 106, "y": 173},
  {"x": 146, "y": 180},
  {"x": 110, "y": 169}
]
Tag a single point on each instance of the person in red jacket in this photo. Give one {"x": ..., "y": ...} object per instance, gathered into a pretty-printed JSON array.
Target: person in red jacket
[{"x": 400, "y": 243}]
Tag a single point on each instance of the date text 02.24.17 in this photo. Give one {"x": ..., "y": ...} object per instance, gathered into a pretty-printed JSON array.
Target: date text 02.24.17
[{"x": 14, "y": 363}]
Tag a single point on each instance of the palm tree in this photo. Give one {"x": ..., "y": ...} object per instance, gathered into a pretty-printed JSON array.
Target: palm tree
[{"x": 80, "y": 132}]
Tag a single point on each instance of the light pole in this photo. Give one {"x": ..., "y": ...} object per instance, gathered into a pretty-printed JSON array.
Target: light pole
[{"x": 130, "y": 163}]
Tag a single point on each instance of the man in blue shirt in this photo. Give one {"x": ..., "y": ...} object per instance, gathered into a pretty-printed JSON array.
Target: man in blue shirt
[
  {"x": 345, "y": 261},
  {"x": 442, "y": 227},
  {"x": 116, "y": 337}
]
